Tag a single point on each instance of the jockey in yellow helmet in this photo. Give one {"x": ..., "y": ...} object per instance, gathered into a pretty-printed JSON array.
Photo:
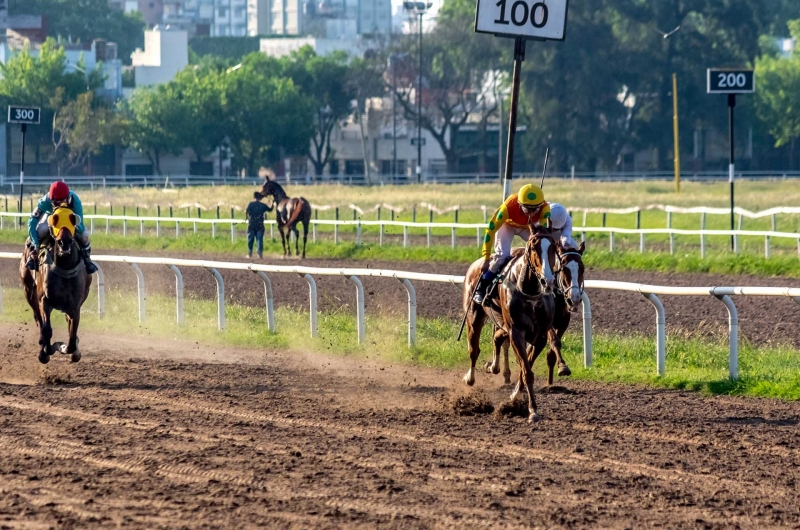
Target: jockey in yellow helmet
[{"x": 513, "y": 218}]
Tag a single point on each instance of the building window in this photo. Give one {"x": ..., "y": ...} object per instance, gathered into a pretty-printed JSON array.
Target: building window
[
  {"x": 333, "y": 167},
  {"x": 222, "y": 12},
  {"x": 354, "y": 167},
  {"x": 139, "y": 170},
  {"x": 239, "y": 12}
]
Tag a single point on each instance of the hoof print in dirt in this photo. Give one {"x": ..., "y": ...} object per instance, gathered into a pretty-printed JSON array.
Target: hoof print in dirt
[
  {"x": 555, "y": 389},
  {"x": 54, "y": 378},
  {"x": 471, "y": 404}
]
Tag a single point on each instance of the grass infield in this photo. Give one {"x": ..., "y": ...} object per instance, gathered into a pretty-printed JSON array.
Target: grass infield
[{"x": 698, "y": 364}]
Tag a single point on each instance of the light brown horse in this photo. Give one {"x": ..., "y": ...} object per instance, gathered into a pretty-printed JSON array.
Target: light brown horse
[
  {"x": 61, "y": 283},
  {"x": 289, "y": 213},
  {"x": 522, "y": 311},
  {"x": 568, "y": 297}
]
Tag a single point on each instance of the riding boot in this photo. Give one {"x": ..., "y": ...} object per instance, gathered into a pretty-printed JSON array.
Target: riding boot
[
  {"x": 483, "y": 286},
  {"x": 33, "y": 262},
  {"x": 91, "y": 268}
]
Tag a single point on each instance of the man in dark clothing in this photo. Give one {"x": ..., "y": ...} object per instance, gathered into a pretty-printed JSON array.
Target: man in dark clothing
[{"x": 255, "y": 225}]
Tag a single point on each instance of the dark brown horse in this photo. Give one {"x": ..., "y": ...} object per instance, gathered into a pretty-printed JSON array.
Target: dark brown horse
[
  {"x": 61, "y": 283},
  {"x": 522, "y": 311},
  {"x": 568, "y": 298},
  {"x": 289, "y": 212}
]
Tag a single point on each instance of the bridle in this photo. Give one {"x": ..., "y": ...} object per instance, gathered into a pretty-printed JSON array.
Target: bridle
[
  {"x": 529, "y": 249},
  {"x": 561, "y": 286}
]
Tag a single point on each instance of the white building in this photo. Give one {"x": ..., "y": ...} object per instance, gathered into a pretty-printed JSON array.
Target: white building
[
  {"x": 283, "y": 47},
  {"x": 331, "y": 19},
  {"x": 258, "y": 17},
  {"x": 230, "y": 18},
  {"x": 166, "y": 52}
]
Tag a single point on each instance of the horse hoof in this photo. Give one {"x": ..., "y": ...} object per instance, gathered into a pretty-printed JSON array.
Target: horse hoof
[
  {"x": 44, "y": 358},
  {"x": 564, "y": 371},
  {"x": 534, "y": 418},
  {"x": 490, "y": 368},
  {"x": 469, "y": 379},
  {"x": 76, "y": 356}
]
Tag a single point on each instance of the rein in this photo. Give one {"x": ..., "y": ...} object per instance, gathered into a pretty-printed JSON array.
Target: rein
[{"x": 562, "y": 288}]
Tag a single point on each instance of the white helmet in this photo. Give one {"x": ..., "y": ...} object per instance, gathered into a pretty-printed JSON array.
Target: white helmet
[{"x": 558, "y": 216}]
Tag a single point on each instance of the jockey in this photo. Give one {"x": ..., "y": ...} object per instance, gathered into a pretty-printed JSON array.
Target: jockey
[
  {"x": 561, "y": 226},
  {"x": 58, "y": 196},
  {"x": 513, "y": 218}
]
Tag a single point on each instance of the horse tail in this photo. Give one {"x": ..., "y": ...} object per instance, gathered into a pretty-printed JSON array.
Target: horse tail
[{"x": 297, "y": 212}]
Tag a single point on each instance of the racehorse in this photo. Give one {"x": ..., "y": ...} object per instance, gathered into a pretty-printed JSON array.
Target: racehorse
[
  {"x": 522, "y": 311},
  {"x": 568, "y": 298},
  {"x": 61, "y": 283},
  {"x": 289, "y": 212}
]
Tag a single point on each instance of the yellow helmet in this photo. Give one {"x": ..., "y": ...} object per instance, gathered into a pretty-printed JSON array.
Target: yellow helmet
[{"x": 530, "y": 195}]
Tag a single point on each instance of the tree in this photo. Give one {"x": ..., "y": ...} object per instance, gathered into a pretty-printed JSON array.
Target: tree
[
  {"x": 266, "y": 115},
  {"x": 324, "y": 80},
  {"x": 778, "y": 95},
  {"x": 199, "y": 93},
  {"x": 153, "y": 119},
  {"x": 457, "y": 69},
  {"x": 85, "y": 20},
  {"x": 80, "y": 129}
]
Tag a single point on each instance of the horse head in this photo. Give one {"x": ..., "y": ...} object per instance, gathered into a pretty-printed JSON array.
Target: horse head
[
  {"x": 63, "y": 225},
  {"x": 570, "y": 275},
  {"x": 273, "y": 189},
  {"x": 540, "y": 253}
]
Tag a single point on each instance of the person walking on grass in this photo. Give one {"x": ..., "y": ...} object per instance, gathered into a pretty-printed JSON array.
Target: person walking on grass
[{"x": 255, "y": 226}]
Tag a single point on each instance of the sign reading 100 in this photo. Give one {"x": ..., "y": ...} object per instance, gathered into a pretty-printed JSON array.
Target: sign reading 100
[
  {"x": 521, "y": 14},
  {"x": 530, "y": 19}
]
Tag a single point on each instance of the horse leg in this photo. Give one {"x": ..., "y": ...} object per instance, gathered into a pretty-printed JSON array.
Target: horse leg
[
  {"x": 497, "y": 341},
  {"x": 506, "y": 367},
  {"x": 563, "y": 369},
  {"x": 283, "y": 238},
  {"x": 72, "y": 347},
  {"x": 45, "y": 334},
  {"x": 475, "y": 321},
  {"x": 31, "y": 296},
  {"x": 296, "y": 240},
  {"x": 520, "y": 346}
]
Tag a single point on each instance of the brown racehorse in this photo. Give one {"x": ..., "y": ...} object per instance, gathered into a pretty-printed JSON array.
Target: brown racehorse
[
  {"x": 569, "y": 294},
  {"x": 289, "y": 212},
  {"x": 522, "y": 311},
  {"x": 61, "y": 283}
]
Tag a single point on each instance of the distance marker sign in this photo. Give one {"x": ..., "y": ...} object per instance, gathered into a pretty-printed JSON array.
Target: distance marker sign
[
  {"x": 26, "y": 115},
  {"x": 731, "y": 81},
  {"x": 531, "y": 19}
]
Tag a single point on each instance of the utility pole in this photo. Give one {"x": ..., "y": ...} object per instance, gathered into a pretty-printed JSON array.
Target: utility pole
[
  {"x": 418, "y": 8},
  {"x": 677, "y": 147}
]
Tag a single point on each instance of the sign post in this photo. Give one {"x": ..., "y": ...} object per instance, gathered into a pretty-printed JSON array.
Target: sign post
[
  {"x": 25, "y": 116},
  {"x": 522, "y": 20},
  {"x": 731, "y": 82}
]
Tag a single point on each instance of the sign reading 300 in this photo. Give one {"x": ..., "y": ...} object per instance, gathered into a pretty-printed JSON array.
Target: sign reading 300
[{"x": 533, "y": 19}]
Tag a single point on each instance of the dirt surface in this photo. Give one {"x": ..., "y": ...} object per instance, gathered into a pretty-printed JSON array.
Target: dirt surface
[
  {"x": 159, "y": 434},
  {"x": 763, "y": 320}
]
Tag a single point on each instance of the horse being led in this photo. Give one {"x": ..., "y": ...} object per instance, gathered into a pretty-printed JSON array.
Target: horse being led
[
  {"x": 522, "y": 311},
  {"x": 61, "y": 283},
  {"x": 289, "y": 213}
]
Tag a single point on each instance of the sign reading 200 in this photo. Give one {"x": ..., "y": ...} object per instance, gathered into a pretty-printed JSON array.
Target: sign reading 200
[{"x": 521, "y": 14}]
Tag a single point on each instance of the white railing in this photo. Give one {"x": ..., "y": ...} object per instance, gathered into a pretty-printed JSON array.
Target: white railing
[
  {"x": 650, "y": 292},
  {"x": 479, "y": 228}
]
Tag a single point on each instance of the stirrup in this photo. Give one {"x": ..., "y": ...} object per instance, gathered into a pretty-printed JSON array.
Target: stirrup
[
  {"x": 91, "y": 268},
  {"x": 31, "y": 264}
]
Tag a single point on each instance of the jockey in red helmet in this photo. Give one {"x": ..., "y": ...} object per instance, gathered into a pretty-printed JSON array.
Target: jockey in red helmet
[{"x": 58, "y": 196}]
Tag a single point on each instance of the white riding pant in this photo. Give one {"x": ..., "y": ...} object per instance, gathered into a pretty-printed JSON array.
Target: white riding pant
[
  {"x": 43, "y": 231},
  {"x": 502, "y": 244}
]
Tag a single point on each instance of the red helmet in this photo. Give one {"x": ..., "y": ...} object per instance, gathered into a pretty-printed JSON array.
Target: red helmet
[{"x": 59, "y": 191}]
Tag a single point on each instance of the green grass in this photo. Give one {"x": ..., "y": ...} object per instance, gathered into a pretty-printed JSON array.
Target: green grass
[{"x": 692, "y": 363}]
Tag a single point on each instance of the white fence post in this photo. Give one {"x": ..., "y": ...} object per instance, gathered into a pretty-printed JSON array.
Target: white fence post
[
  {"x": 453, "y": 237},
  {"x": 336, "y": 234},
  {"x": 733, "y": 332},
  {"x": 101, "y": 292},
  {"x": 359, "y": 308},
  {"x": 178, "y": 294},
  {"x": 312, "y": 303},
  {"x": 380, "y": 235},
  {"x": 268, "y": 300},
  {"x": 358, "y": 233},
  {"x": 140, "y": 291},
  {"x": 671, "y": 235},
  {"x": 177, "y": 229},
  {"x": 405, "y": 237},
  {"x": 587, "y": 330},
  {"x": 703, "y": 236},
  {"x": 611, "y": 241},
  {"x": 661, "y": 348},
  {"x": 233, "y": 232},
  {"x": 412, "y": 312},
  {"x": 220, "y": 297},
  {"x": 766, "y": 247}
]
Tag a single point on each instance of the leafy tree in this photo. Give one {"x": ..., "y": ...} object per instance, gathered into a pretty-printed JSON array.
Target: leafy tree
[
  {"x": 324, "y": 80},
  {"x": 778, "y": 95},
  {"x": 30, "y": 80},
  {"x": 153, "y": 120},
  {"x": 457, "y": 70},
  {"x": 266, "y": 113},
  {"x": 199, "y": 93},
  {"x": 86, "y": 20},
  {"x": 80, "y": 129}
]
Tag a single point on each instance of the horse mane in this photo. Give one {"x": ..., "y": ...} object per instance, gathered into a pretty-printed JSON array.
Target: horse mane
[{"x": 277, "y": 191}]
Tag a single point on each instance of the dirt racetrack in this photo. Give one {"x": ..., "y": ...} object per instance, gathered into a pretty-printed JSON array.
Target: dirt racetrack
[{"x": 160, "y": 434}]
